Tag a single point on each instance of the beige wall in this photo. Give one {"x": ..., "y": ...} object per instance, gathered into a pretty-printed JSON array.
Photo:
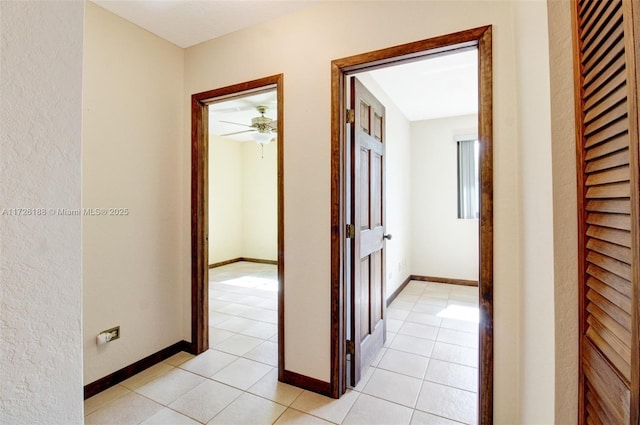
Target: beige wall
[
  {"x": 133, "y": 265},
  {"x": 260, "y": 201},
  {"x": 243, "y": 207},
  {"x": 225, "y": 199},
  {"x": 331, "y": 30},
  {"x": 40, "y": 257},
  {"x": 442, "y": 244}
]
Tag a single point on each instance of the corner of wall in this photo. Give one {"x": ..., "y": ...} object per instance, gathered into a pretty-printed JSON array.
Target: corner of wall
[
  {"x": 565, "y": 213},
  {"x": 536, "y": 234}
]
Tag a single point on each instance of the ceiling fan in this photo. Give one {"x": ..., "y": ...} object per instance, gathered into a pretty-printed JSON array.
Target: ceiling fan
[{"x": 262, "y": 127}]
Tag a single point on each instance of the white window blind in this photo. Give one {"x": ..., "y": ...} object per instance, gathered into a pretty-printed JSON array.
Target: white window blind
[{"x": 468, "y": 182}]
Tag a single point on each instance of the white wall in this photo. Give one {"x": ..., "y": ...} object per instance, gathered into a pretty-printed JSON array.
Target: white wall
[
  {"x": 398, "y": 185},
  {"x": 331, "y": 30},
  {"x": 225, "y": 199},
  {"x": 243, "y": 195},
  {"x": 442, "y": 245},
  {"x": 536, "y": 242},
  {"x": 133, "y": 158},
  {"x": 40, "y": 259},
  {"x": 260, "y": 201}
]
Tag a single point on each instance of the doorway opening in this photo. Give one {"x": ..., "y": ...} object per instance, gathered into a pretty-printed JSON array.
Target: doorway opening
[
  {"x": 238, "y": 128},
  {"x": 353, "y": 276}
]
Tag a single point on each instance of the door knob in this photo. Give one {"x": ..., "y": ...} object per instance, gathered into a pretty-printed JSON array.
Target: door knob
[{"x": 387, "y": 237}]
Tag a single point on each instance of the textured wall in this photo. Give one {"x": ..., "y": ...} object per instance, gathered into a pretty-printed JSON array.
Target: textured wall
[
  {"x": 40, "y": 260},
  {"x": 565, "y": 214}
]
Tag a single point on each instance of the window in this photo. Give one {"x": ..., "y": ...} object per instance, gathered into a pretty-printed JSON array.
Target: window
[{"x": 468, "y": 181}]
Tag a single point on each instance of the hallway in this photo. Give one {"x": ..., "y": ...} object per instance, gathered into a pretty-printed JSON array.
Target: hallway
[{"x": 426, "y": 374}]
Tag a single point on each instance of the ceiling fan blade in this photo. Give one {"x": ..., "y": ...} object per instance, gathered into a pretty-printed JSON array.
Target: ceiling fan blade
[
  {"x": 236, "y": 123},
  {"x": 237, "y": 132}
]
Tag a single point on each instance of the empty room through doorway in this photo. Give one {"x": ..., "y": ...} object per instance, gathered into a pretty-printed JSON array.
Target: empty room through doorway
[
  {"x": 431, "y": 227},
  {"x": 243, "y": 238}
]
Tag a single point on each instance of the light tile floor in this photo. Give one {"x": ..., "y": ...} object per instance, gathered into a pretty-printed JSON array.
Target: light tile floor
[{"x": 425, "y": 374}]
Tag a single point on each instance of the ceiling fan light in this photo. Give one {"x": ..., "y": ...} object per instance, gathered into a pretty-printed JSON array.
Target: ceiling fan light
[{"x": 262, "y": 138}]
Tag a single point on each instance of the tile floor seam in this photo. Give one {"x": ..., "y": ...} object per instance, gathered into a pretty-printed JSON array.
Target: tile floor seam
[
  {"x": 440, "y": 416},
  {"x": 294, "y": 400},
  {"x": 388, "y": 401},
  {"x": 350, "y": 407},
  {"x": 185, "y": 414},
  {"x": 418, "y": 395},
  {"x": 311, "y": 414},
  {"x": 399, "y": 373},
  {"x": 450, "y": 386},
  {"x": 155, "y": 401},
  {"x": 166, "y": 405},
  {"x": 279, "y": 416},
  {"x": 263, "y": 397}
]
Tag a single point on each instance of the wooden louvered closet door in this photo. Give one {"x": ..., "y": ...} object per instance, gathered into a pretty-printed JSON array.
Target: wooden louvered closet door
[{"x": 605, "y": 49}]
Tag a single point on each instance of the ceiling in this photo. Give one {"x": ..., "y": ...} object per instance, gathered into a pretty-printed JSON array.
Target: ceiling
[
  {"x": 189, "y": 22},
  {"x": 432, "y": 88},
  {"x": 443, "y": 86}
]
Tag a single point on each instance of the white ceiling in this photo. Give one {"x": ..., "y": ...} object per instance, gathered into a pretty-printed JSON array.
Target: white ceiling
[
  {"x": 189, "y": 22},
  {"x": 444, "y": 86},
  {"x": 432, "y": 88}
]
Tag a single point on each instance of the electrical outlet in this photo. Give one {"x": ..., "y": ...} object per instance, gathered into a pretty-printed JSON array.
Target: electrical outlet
[{"x": 115, "y": 333}]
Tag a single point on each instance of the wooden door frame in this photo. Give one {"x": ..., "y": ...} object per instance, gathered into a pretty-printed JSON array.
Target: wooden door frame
[
  {"x": 481, "y": 39},
  {"x": 199, "y": 208}
]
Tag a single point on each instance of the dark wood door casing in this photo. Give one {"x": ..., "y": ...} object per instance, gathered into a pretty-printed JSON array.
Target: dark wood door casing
[
  {"x": 481, "y": 39},
  {"x": 199, "y": 208}
]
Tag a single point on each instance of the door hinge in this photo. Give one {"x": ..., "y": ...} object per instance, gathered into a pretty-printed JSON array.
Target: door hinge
[
  {"x": 351, "y": 347},
  {"x": 350, "y": 231},
  {"x": 351, "y": 116}
]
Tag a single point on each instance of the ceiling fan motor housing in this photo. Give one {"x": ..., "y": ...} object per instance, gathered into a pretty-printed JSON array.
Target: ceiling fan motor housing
[{"x": 261, "y": 123}]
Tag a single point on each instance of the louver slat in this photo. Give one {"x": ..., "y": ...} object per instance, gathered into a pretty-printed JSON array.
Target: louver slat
[
  {"x": 619, "y": 206},
  {"x": 616, "y": 282},
  {"x": 610, "y": 161},
  {"x": 619, "y": 142},
  {"x": 619, "y": 237},
  {"x": 615, "y": 251},
  {"x": 610, "y": 391},
  {"x": 609, "y": 231}
]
